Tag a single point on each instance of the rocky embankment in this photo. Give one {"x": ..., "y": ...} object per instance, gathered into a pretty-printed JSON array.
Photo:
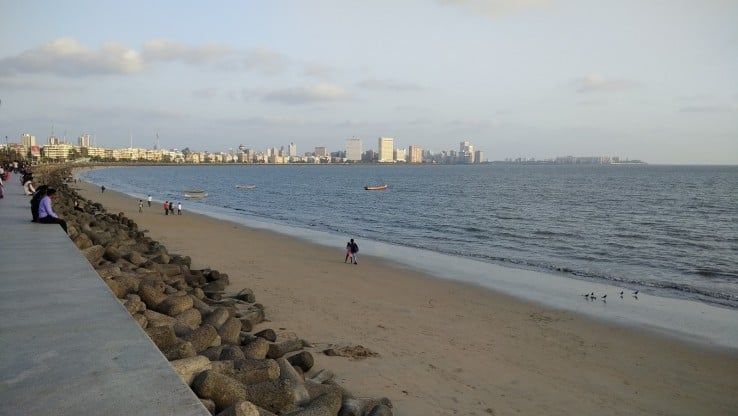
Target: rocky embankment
[{"x": 213, "y": 339}]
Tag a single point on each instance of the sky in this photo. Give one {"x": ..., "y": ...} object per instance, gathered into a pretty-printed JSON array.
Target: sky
[{"x": 655, "y": 80}]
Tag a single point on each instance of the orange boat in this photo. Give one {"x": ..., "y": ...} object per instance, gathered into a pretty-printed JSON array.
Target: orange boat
[{"x": 376, "y": 188}]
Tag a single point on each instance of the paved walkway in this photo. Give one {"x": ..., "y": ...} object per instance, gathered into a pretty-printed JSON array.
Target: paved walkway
[{"x": 67, "y": 346}]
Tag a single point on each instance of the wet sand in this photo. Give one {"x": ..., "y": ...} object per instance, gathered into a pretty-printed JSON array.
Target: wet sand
[{"x": 445, "y": 347}]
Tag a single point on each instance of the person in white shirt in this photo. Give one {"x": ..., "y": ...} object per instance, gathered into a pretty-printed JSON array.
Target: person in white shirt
[{"x": 29, "y": 188}]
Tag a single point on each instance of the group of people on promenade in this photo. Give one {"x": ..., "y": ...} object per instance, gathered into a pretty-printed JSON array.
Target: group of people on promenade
[
  {"x": 41, "y": 197},
  {"x": 41, "y": 207},
  {"x": 6, "y": 168}
]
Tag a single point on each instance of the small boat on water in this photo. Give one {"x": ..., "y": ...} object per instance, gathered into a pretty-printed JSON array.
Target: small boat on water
[
  {"x": 194, "y": 191},
  {"x": 376, "y": 188},
  {"x": 196, "y": 195},
  {"x": 246, "y": 186}
]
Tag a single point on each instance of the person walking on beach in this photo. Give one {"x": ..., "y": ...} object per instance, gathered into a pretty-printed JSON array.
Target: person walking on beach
[
  {"x": 166, "y": 207},
  {"x": 102, "y": 188},
  {"x": 349, "y": 258},
  {"x": 149, "y": 200},
  {"x": 171, "y": 208},
  {"x": 179, "y": 208},
  {"x": 140, "y": 205},
  {"x": 354, "y": 250}
]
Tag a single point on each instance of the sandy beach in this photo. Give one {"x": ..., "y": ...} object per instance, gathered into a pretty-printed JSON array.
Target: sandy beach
[{"x": 445, "y": 348}]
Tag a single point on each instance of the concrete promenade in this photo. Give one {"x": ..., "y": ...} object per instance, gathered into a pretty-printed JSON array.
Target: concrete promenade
[{"x": 67, "y": 346}]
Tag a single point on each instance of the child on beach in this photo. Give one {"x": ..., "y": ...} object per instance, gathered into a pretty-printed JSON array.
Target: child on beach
[
  {"x": 140, "y": 205},
  {"x": 349, "y": 256}
]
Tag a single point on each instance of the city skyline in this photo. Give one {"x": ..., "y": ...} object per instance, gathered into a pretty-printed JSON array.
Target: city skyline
[
  {"x": 532, "y": 78},
  {"x": 353, "y": 152}
]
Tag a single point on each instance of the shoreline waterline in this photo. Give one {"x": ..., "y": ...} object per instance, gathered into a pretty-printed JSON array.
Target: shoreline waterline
[
  {"x": 688, "y": 320},
  {"x": 625, "y": 227}
]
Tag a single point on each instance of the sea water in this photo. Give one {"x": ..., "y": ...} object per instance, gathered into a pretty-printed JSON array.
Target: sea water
[{"x": 669, "y": 232}]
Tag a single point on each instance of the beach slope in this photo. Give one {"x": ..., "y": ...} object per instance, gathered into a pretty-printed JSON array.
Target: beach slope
[{"x": 445, "y": 347}]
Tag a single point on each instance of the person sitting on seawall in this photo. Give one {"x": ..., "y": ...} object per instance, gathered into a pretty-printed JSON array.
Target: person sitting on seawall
[
  {"x": 36, "y": 201},
  {"x": 28, "y": 186},
  {"x": 46, "y": 214}
]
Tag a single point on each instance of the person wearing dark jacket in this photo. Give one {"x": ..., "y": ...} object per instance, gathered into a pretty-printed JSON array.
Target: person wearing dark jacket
[
  {"x": 36, "y": 200},
  {"x": 354, "y": 250}
]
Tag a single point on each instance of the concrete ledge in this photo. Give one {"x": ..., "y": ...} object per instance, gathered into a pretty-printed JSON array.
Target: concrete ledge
[{"x": 67, "y": 346}]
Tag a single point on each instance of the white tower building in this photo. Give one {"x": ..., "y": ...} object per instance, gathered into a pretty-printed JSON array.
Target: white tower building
[
  {"x": 353, "y": 149},
  {"x": 386, "y": 149}
]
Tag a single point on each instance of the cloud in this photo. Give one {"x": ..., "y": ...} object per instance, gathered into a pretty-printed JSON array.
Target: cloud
[
  {"x": 496, "y": 8},
  {"x": 376, "y": 84},
  {"x": 596, "y": 82},
  {"x": 260, "y": 59},
  {"x": 307, "y": 95},
  {"x": 16, "y": 83},
  {"x": 265, "y": 60},
  {"x": 209, "y": 92},
  {"x": 707, "y": 109},
  {"x": 66, "y": 56},
  {"x": 471, "y": 124},
  {"x": 320, "y": 71},
  {"x": 168, "y": 51},
  {"x": 696, "y": 97},
  {"x": 705, "y": 103}
]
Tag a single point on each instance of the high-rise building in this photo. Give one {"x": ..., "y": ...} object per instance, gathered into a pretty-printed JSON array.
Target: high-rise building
[
  {"x": 466, "y": 152},
  {"x": 322, "y": 152},
  {"x": 416, "y": 154},
  {"x": 478, "y": 156},
  {"x": 353, "y": 149},
  {"x": 84, "y": 140},
  {"x": 292, "y": 150},
  {"x": 400, "y": 155},
  {"x": 28, "y": 140},
  {"x": 386, "y": 148}
]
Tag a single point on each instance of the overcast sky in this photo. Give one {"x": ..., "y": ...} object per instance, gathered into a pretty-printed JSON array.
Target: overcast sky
[{"x": 648, "y": 79}]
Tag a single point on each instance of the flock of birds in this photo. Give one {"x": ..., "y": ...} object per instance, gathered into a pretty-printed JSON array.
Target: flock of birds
[{"x": 592, "y": 296}]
